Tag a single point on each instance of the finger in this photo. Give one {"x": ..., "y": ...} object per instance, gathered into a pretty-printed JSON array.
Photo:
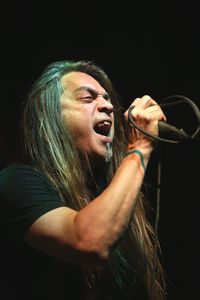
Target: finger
[
  {"x": 156, "y": 111},
  {"x": 143, "y": 102}
]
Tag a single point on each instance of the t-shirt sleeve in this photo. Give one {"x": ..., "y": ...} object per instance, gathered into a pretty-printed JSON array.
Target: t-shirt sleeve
[{"x": 25, "y": 195}]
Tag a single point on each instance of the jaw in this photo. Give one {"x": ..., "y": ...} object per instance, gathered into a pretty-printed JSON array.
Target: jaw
[
  {"x": 95, "y": 147},
  {"x": 104, "y": 145},
  {"x": 101, "y": 153}
]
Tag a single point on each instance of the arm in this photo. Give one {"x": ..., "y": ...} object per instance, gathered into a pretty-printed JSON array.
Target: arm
[{"x": 87, "y": 237}]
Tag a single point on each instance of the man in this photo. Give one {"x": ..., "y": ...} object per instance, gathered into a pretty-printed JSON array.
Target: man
[{"x": 73, "y": 218}]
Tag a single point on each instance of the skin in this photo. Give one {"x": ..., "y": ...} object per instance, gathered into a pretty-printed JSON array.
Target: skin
[
  {"x": 85, "y": 104},
  {"x": 87, "y": 237}
]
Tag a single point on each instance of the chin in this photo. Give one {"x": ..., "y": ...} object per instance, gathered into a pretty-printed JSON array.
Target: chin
[
  {"x": 102, "y": 156},
  {"x": 107, "y": 154}
]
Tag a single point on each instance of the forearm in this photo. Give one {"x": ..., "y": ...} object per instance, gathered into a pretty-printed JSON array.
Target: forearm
[{"x": 104, "y": 220}]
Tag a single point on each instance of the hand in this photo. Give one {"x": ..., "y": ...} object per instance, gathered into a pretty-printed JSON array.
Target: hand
[{"x": 146, "y": 114}]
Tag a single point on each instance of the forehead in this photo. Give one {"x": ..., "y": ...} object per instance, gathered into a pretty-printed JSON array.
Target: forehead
[{"x": 75, "y": 80}]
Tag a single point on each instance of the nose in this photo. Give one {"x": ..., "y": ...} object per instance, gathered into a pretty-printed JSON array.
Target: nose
[{"x": 104, "y": 105}]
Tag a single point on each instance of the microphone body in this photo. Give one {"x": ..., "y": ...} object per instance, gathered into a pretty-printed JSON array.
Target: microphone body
[
  {"x": 166, "y": 132},
  {"x": 170, "y": 131}
]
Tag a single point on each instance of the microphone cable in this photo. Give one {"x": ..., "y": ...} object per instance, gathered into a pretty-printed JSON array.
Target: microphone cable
[{"x": 180, "y": 99}]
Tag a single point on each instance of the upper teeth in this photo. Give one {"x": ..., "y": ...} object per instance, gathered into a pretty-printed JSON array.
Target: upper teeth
[{"x": 104, "y": 123}]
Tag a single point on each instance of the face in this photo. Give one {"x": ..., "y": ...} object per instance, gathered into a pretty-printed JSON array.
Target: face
[{"x": 88, "y": 113}]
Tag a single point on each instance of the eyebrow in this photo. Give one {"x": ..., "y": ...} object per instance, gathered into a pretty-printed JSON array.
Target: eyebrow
[{"x": 92, "y": 91}]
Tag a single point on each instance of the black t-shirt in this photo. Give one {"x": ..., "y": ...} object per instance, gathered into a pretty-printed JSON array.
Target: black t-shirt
[{"x": 26, "y": 273}]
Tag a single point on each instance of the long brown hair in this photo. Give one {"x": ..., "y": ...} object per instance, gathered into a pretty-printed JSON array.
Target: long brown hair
[{"x": 50, "y": 147}]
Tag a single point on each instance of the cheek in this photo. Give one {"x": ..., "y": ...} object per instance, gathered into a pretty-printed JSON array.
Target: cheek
[
  {"x": 71, "y": 119},
  {"x": 77, "y": 124}
]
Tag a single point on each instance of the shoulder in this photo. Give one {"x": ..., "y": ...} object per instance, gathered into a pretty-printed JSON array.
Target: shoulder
[
  {"x": 22, "y": 181},
  {"x": 25, "y": 195},
  {"x": 18, "y": 168},
  {"x": 19, "y": 174},
  {"x": 23, "y": 187}
]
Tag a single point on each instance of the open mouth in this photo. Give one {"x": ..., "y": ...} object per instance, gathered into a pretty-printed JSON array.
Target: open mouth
[{"x": 103, "y": 128}]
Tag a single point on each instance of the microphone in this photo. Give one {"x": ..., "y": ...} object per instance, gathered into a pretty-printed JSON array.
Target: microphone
[
  {"x": 170, "y": 131},
  {"x": 166, "y": 132}
]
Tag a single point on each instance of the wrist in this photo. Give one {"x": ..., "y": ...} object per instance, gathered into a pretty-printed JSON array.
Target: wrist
[
  {"x": 141, "y": 156},
  {"x": 145, "y": 147}
]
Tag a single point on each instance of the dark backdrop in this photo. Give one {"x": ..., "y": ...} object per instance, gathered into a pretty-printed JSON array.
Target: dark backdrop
[{"x": 147, "y": 48}]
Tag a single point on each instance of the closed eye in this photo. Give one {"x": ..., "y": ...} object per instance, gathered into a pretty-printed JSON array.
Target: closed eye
[
  {"x": 87, "y": 94},
  {"x": 87, "y": 99}
]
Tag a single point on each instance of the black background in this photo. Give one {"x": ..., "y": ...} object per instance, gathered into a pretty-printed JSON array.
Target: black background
[{"x": 150, "y": 47}]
